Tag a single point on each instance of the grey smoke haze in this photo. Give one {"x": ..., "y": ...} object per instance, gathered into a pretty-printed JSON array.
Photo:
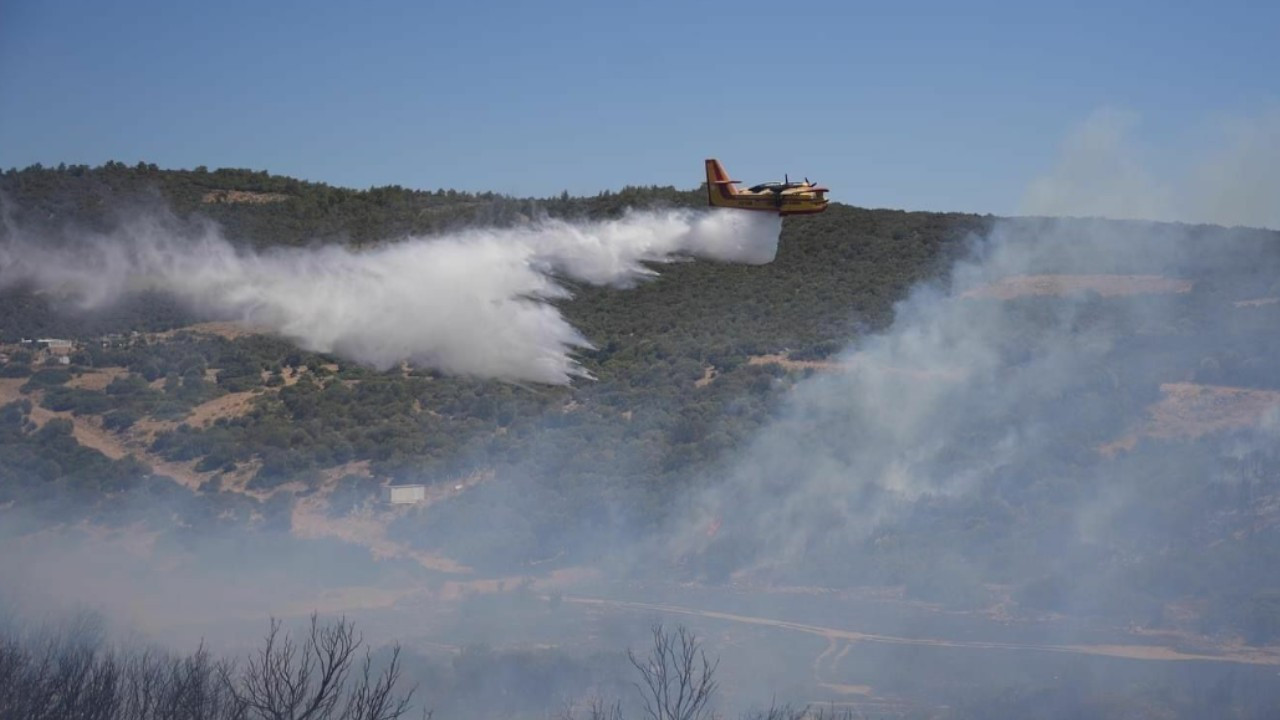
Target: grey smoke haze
[
  {"x": 969, "y": 406},
  {"x": 473, "y": 302},
  {"x": 974, "y": 397},
  {"x": 967, "y": 400},
  {"x": 1231, "y": 178}
]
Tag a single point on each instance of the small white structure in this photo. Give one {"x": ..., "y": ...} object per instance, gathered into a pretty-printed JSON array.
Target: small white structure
[
  {"x": 405, "y": 494},
  {"x": 57, "y": 346}
]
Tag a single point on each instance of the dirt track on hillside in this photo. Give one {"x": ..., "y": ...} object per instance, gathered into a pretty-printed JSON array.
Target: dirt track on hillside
[
  {"x": 368, "y": 527},
  {"x": 1248, "y": 656},
  {"x": 89, "y": 432}
]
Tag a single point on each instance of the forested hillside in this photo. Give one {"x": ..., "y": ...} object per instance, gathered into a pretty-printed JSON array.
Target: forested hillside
[
  {"x": 229, "y": 426},
  {"x": 835, "y": 275}
]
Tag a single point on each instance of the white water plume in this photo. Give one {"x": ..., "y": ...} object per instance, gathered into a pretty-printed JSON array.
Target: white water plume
[{"x": 473, "y": 302}]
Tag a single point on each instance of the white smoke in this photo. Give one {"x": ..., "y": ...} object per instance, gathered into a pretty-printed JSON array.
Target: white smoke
[
  {"x": 965, "y": 389},
  {"x": 1098, "y": 174},
  {"x": 1240, "y": 183},
  {"x": 473, "y": 302},
  {"x": 1234, "y": 179}
]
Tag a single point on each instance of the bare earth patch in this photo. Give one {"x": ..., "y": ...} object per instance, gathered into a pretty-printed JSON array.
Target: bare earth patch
[
  {"x": 228, "y": 330},
  {"x": 1105, "y": 285},
  {"x": 238, "y": 479},
  {"x": 359, "y": 468},
  {"x": 88, "y": 431},
  {"x": 708, "y": 376},
  {"x": 97, "y": 379},
  {"x": 1189, "y": 411},
  {"x": 367, "y": 527},
  {"x": 859, "y": 361},
  {"x": 137, "y": 440},
  {"x": 9, "y": 390},
  {"x": 230, "y": 405},
  {"x": 292, "y": 375},
  {"x": 785, "y": 362},
  {"x": 146, "y": 429}
]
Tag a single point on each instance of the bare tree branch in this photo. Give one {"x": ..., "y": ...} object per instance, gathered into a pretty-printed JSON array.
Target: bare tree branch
[{"x": 677, "y": 682}]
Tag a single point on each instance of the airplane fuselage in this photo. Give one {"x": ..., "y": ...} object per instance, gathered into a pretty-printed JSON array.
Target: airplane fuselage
[{"x": 785, "y": 198}]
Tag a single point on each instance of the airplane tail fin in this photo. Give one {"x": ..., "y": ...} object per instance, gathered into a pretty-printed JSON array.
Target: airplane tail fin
[
  {"x": 716, "y": 174},
  {"x": 719, "y": 185}
]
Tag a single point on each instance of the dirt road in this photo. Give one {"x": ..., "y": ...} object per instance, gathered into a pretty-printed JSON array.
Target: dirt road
[{"x": 1249, "y": 656}]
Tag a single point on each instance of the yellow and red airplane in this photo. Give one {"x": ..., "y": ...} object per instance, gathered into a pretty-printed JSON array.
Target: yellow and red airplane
[{"x": 784, "y": 198}]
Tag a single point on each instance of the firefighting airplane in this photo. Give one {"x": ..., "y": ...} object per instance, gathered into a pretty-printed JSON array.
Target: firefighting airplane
[{"x": 784, "y": 198}]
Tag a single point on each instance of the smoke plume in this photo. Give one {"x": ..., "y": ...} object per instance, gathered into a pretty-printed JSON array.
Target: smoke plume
[
  {"x": 1047, "y": 380},
  {"x": 476, "y": 302},
  {"x": 1234, "y": 179}
]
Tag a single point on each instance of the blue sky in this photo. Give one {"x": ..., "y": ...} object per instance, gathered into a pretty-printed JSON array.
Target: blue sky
[{"x": 930, "y": 106}]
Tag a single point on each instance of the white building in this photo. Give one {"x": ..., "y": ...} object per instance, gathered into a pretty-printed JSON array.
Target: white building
[
  {"x": 405, "y": 494},
  {"x": 57, "y": 346}
]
